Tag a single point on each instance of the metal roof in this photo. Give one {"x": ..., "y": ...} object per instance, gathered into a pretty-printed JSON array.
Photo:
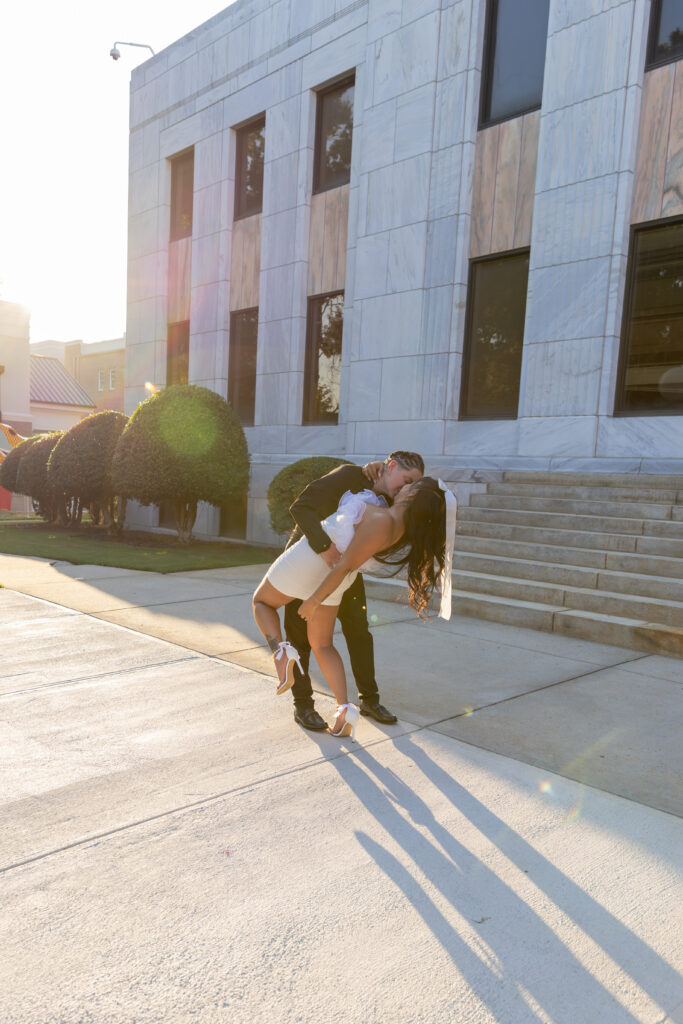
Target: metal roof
[{"x": 51, "y": 382}]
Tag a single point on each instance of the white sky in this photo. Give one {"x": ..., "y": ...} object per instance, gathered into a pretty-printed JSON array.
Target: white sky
[{"x": 64, "y": 153}]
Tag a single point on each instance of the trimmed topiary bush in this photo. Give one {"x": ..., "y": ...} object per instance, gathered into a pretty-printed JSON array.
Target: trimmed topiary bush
[
  {"x": 183, "y": 445},
  {"x": 32, "y": 476},
  {"x": 10, "y": 465},
  {"x": 80, "y": 465},
  {"x": 290, "y": 482}
]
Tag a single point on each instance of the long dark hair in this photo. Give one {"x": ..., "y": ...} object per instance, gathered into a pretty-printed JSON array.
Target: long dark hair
[{"x": 423, "y": 544}]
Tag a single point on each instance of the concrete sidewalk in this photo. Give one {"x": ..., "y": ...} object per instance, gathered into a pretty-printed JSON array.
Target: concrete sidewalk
[
  {"x": 175, "y": 849},
  {"x": 605, "y": 716}
]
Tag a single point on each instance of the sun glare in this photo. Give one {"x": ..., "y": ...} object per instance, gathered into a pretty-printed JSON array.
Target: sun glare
[{"x": 64, "y": 179}]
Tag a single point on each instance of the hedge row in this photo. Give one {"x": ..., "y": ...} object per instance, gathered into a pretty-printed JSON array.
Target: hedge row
[{"x": 183, "y": 445}]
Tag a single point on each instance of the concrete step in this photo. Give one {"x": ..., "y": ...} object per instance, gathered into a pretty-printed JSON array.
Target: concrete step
[
  {"x": 660, "y": 587},
  {"x": 630, "y": 480},
  {"x": 499, "y": 564},
  {"x": 586, "y": 599},
  {"x": 575, "y": 492},
  {"x": 598, "y": 541},
  {"x": 631, "y": 633},
  {"x": 561, "y": 521},
  {"x": 621, "y": 561},
  {"x": 634, "y": 634},
  {"x": 533, "y": 551},
  {"x": 528, "y": 503}
]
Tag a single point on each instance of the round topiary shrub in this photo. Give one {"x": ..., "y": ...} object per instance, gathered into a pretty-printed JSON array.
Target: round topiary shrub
[
  {"x": 182, "y": 445},
  {"x": 290, "y": 482},
  {"x": 32, "y": 476},
  {"x": 10, "y": 465},
  {"x": 80, "y": 463}
]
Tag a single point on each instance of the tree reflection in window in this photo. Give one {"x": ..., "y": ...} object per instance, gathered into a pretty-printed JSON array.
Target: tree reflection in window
[
  {"x": 334, "y": 136},
  {"x": 493, "y": 346},
  {"x": 666, "y": 31},
  {"x": 652, "y": 345},
  {"x": 251, "y": 145},
  {"x": 323, "y": 359}
]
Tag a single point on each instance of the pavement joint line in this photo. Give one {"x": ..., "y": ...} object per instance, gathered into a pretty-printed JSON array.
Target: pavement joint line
[
  {"x": 95, "y": 677},
  {"x": 638, "y": 656},
  {"x": 538, "y": 689},
  {"x": 131, "y": 607},
  {"x": 119, "y": 625},
  {"x": 554, "y": 771},
  {"x": 203, "y": 802}
]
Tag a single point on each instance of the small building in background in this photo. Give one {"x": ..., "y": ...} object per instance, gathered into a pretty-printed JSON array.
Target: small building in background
[
  {"x": 99, "y": 367},
  {"x": 58, "y": 401}
]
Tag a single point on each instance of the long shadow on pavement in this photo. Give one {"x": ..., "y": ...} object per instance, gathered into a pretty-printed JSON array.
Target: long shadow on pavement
[{"x": 451, "y": 868}]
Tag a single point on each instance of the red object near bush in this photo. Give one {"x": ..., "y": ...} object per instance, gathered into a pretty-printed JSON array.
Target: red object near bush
[{"x": 5, "y": 499}]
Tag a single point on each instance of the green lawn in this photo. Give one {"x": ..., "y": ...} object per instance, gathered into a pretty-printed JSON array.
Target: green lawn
[{"x": 151, "y": 552}]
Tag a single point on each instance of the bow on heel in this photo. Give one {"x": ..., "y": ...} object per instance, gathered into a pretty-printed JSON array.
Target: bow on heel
[
  {"x": 348, "y": 727},
  {"x": 285, "y": 658}
]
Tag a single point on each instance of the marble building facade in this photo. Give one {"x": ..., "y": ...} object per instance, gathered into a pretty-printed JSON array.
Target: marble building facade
[{"x": 430, "y": 190}]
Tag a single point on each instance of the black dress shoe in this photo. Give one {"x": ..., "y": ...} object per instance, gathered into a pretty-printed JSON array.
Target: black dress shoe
[
  {"x": 310, "y": 719},
  {"x": 373, "y": 709}
]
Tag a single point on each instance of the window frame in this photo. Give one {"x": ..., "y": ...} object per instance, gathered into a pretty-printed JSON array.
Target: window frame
[
  {"x": 234, "y": 313},
  {"x": 174, "y": 234},
  {"x": 626, "y": 314},
  {"x": 490, "y": 35},
  {"x": 112, "y": 378},
  {"x": 655, "y": 19},
  {"x": 240, "y": 131},
  {"x": 100, "y": 380},
  {"x": 348, "y": 78},
  {"x": 467, "y": 346},
  {"x": 307, "y": 403}
]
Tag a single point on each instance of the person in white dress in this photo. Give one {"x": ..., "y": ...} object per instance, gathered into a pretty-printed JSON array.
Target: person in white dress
[{"x": 411, "y": 533}]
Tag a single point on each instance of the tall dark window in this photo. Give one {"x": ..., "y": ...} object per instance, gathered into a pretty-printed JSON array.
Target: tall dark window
[
  {"x": 323, "y": 358},
  {"x": 178, "y": 353},
  {"x": 514, "y": 58},
  {"x": 242, "y": 365},
  {"x": 665, "y": 42},
  {"x": 182, "y": 188},
  {"x": 333, "y": 136},
  {"x": 495, "y": 334},
  {"x": 651, "y": 364},
  {"x": 251, "y": 145}
]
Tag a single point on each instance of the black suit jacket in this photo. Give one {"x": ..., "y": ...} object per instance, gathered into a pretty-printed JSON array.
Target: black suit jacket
[{"x": 319, "y": 500}]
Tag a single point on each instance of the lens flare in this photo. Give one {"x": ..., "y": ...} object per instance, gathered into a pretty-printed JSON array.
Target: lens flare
[
  {"x": 545, "y": 786},
  {"x": 188, "y": 438},
  {"x": 150, "y": 387}
]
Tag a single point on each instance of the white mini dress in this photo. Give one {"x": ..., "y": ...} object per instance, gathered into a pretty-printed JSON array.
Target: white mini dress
[{"x": 299, "y": 571}]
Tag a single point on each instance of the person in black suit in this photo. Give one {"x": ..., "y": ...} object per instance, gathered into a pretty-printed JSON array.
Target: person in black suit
[{"x": 317, "y": 501}]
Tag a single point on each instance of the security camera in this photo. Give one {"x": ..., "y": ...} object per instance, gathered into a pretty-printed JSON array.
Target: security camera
[{"x": 114, "y": 53}]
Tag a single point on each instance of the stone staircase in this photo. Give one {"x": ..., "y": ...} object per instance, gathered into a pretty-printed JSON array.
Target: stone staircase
[{"x": 596, "y": 556}]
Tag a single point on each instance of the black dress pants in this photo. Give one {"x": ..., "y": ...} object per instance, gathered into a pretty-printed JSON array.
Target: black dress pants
[{"x": 353, "y": 618}]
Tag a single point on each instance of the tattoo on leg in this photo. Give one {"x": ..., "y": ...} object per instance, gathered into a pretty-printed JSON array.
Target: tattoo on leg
[{"x": 273, "y": 643}]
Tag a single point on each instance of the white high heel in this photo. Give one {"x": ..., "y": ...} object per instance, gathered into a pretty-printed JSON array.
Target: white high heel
[
  {"x": 291, "y": 655},
  {"x": 350, "y": 722}
]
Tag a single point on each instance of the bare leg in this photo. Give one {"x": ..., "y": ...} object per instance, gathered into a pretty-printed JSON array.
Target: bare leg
[
  {"x": 320, "y": 632},
  {"x": 265, "y": 604}
]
